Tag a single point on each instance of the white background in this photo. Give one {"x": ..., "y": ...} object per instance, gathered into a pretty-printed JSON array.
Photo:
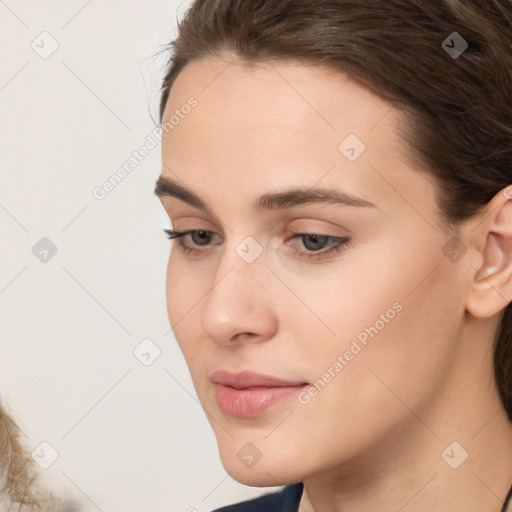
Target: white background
[{"x": 129, "y": 437}]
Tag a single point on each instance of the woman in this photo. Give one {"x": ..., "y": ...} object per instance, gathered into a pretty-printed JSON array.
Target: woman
[{"x": 340, "y": 197}]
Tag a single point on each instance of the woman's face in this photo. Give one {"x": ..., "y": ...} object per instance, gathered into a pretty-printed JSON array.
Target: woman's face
[{"x": 373, "y": 327}]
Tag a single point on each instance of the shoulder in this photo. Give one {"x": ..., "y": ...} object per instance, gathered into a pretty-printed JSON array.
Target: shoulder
[{"x": 286, "y": 500}]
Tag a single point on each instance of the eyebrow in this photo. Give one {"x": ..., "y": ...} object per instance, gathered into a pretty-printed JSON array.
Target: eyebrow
[{"x": 299, "y": 196}]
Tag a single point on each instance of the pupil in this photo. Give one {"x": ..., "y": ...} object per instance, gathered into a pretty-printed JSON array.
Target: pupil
[
  {"x": 202, "y": 236},
  {"x": 318, "y": 239}
]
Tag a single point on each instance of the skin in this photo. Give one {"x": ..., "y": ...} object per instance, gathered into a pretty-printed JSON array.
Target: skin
[{"x": 372, "y": 438}]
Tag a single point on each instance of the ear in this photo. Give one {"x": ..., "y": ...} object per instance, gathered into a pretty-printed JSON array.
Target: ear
[{"x": 490, "y": 287}]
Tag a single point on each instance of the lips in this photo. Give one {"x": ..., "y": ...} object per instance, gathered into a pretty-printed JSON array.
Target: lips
[
  {"x": 248, "y": 379},
  {"x": 248, "y": 394}
]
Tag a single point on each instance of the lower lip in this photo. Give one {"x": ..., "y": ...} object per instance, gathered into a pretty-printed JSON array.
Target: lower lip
[{"x": 248, "y": 403}]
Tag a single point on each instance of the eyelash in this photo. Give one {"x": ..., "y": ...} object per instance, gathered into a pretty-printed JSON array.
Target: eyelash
[{"x": 342, "y": 243}]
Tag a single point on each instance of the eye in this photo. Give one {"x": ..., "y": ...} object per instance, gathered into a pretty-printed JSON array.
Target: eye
[
  {"x": 311, "y": 241},
  {"x": 203, "y": 237}
]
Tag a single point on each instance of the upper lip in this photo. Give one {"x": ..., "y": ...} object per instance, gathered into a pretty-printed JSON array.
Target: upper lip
[{"x": 246, "y": 379}]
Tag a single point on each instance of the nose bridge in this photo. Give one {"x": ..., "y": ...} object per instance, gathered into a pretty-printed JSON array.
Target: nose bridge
[
  {"x": 243, "y": 262},
  {"x": 239, "y": 300}
]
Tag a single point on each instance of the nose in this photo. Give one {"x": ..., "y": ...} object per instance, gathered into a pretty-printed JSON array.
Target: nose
[{"x": 239, "y": 306}]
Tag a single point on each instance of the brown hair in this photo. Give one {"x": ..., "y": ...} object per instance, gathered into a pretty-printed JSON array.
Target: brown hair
[{"x": 458, "y": 123}]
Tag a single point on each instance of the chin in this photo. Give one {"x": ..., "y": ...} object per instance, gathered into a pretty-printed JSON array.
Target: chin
[
  {"x": 261, "y": 478},
  {"x": 266, "y": 472}
]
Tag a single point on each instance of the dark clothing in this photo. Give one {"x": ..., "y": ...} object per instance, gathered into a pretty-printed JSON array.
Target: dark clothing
[{"x": 286, "y": 500}]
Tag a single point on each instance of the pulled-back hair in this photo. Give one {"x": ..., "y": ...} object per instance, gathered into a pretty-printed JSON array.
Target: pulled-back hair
[{"x": 458, "y": 107}]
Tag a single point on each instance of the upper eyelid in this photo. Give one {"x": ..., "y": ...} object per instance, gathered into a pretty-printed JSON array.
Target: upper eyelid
[
  {"x": 283, "y": 218},
  {"x": 185, "y": 232},
  {"x": 308, "y": 230}
]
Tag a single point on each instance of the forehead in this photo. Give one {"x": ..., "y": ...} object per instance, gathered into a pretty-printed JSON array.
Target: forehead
[
  {"x": 273, "y": 125},
  {"x": 256, "y": 96}
]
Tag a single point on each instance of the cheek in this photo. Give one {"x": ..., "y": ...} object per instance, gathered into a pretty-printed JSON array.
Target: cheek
[
  {"x": 181, "y": 297},
  {"x": 381, "y": 292},
  {"x": 400, "y": 366},
  {"x": 401, "y": 306},
  {"x": 172, "y": 292},
  {"x": 396, "y": 329}
]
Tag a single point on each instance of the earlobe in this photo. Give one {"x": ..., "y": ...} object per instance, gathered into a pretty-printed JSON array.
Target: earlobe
[{"x": 491, "y": 283}]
